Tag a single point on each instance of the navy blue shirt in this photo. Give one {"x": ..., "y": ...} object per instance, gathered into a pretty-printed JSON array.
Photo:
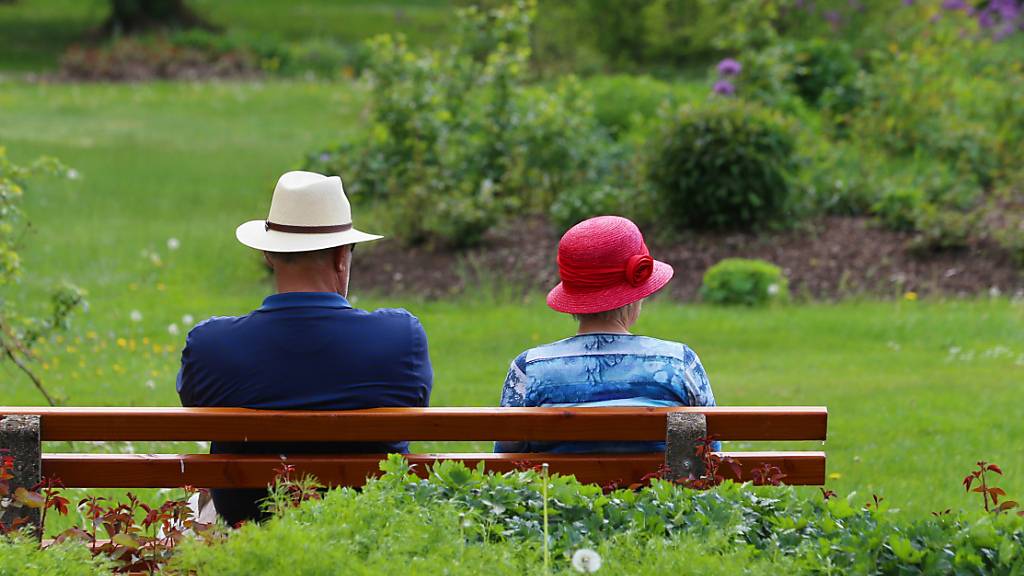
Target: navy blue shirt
[{"x": 303, "y": 351}]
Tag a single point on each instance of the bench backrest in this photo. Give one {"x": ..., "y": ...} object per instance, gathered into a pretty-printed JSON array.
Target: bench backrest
[{"x": 414, "y": 424}]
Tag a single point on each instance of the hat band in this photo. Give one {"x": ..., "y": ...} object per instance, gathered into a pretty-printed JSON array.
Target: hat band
[{"x": 306, "y": 229}]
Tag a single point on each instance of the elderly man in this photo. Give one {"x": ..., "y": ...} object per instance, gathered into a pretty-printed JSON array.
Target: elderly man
[{"x": 306, "y": 347}]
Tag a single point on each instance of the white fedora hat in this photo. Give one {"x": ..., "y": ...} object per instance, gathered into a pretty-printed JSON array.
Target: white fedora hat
[{"x": 309, "y": 212}]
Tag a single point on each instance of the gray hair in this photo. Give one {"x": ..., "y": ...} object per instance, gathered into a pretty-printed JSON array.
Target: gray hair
[{"x": 621, "y": 314}]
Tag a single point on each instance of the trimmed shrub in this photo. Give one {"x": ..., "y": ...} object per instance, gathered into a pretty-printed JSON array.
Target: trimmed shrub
[
  {"x": 744, "y": 282},
  {"x": 726, "y": 165}
]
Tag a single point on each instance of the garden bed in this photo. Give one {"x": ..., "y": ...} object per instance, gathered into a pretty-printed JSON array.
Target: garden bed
[{"x": 828, "y": 259}]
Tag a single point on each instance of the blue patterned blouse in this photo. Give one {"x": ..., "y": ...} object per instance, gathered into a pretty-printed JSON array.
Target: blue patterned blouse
[{"x": 604, "y": 370}]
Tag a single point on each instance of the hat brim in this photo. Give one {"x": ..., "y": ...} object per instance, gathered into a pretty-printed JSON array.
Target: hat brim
[
  {"x": 609, "y": 298},
  {"x": 254, "y": 234}
]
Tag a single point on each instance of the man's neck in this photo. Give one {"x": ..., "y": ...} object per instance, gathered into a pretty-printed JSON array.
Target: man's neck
[{"x": 285, "y": 285}]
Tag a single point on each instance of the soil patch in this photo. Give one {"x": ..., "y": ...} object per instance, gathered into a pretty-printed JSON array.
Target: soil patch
[{"x": 830, "y": 259}]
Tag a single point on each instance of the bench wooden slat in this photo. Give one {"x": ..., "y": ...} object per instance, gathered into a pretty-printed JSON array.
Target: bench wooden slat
[
  {"x": 419, "y": 424},
  {"x": 223, "y": 471}
]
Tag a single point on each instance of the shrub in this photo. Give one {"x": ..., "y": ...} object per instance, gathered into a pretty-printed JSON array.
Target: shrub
[
  {"x": 21, "y": 556},
  {"x": 577, "y": 204},
  {"x": 464, "y": 519},
  {"x": 726, "y": 164},
  {"x": 900, "y": 209},
  {"x": 941, "y": 229},
  {"x": 745, "y": 282},
  {"x": 459, "y": 140},
  {"x": 622, "y": 102},
  {"x": 820, "y": 66}
]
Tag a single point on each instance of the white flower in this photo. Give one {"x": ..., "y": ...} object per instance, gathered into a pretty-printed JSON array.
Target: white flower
[
  {"x": 188, "y": 320},
  {"x": 73, "y": 174},
  {"x": 994, "y": 292},
  {"x": 150, "y": 384},
  {"x": 586, "y": 561},
  {"x": 136, "y": 316},
  {"x": 773, "y": 289},
  {"x": 172, "y": 329},
  {"x": 173, "y": 244}
]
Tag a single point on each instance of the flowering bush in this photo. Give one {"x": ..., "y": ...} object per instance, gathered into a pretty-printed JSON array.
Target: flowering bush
[
  {"x": 725, "y": 164},
  {"x": 744, "y": 282}
]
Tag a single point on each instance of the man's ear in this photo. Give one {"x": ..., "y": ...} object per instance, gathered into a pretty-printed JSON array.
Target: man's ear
[
  {"x": 266, "y": 258},
  {"x": 339, "y": 258}
]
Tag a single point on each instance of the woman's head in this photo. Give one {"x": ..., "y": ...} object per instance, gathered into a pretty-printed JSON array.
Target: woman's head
[{"x": 605, "y": 268}]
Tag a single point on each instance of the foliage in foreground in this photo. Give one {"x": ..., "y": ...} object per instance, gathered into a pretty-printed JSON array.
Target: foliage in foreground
[{"x": 464, "y": 519}]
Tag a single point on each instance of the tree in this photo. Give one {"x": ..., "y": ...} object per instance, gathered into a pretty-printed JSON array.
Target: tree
[{"x": 138, "y": 16}]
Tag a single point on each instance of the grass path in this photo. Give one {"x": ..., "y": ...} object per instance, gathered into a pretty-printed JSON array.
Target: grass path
[{"x": 917, "y": 391}]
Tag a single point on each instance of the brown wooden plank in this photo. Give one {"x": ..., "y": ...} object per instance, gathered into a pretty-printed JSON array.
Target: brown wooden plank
[
  {"x": 438, "y": 424},
  {"x": 223, "y": 471}
]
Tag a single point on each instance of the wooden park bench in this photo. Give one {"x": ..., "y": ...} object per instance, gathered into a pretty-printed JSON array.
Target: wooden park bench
[{"x": 23, "y": 429}]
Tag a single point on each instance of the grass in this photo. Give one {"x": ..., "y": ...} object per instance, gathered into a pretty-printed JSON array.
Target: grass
[
  {"x": 917, "y": 391},
  {"x": 34, "y": 33}
]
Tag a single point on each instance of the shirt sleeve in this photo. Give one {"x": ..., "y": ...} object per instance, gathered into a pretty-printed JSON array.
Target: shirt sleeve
[
  {"x": 513, "y": 394},
  {"x": 185, "y": 385},
  {"x": 423, "y": 370},
  {"x": 698, "y": 388}
]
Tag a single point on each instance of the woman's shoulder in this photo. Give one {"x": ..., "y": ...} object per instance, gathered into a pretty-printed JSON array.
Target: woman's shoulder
[{"x": 601, "y": 344}]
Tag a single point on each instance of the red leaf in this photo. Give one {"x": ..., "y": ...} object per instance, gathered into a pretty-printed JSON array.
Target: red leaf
[
  {"x": 968, "y": 481},
  {"x": 995, "y": 469},
  {"x": 1007, "y": 505}
]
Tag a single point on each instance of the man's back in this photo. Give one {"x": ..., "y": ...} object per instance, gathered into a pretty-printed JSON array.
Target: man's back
[{"x": 304, "y": 351}]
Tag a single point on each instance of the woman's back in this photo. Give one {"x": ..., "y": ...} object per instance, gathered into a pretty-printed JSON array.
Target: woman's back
[{"x": 604, "y": 370}]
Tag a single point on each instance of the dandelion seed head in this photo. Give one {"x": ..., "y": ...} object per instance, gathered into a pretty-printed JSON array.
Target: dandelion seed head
[{"x": 586, "y": 561}]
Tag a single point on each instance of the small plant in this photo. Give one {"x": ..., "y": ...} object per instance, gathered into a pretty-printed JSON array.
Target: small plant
[
  {"x": 990, "y": 494},
  {"x": 727, "y": 164},
  {"x": 737, "y": 281}
]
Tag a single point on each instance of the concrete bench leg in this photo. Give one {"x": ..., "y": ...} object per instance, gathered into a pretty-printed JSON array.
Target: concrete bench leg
[
  {"x": 684, "y": 432},
  {"x": 19, "y": 435}
]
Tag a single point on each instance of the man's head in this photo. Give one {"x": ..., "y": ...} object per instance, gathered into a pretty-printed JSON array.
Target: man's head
[
  {"x": 326, "y": 270},
  {"x": 308, "y": 236}
]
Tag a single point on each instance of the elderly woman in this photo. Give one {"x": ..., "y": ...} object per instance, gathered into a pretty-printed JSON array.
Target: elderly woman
[{"x": 606, "y": 272}]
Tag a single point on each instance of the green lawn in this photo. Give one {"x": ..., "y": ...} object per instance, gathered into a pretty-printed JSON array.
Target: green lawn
[
  {"x": 917, "y": 390},
  {"x": 34, "y": 33}
]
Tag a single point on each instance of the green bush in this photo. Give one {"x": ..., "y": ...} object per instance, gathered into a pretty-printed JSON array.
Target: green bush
[
  {"x": 726, "y": 164},
  {"x": 941, "y": 229},
  {"x": 821, "y": 66},
  {"x": 746, "y": 282},
  {"x": 21, "y": 556},
  {"x": 900, "y": 209},
  {"x": 622, "y": 102},
  {"x": 635, "y": 202},
  {"x": 466, "y": 521}
]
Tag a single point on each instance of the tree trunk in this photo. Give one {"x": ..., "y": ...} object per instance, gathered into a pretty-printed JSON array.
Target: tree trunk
[{"x": 138, "y": 16}]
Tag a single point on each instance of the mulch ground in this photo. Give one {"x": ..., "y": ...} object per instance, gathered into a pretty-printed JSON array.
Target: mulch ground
[{"x": 829, "y": 259}]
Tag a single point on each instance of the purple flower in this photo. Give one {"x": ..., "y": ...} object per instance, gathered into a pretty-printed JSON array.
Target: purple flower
[
  {"x": 908, "y": 2},
  {"x": 986, "y": 19},
  {"x": 724, "y": 88},
  {"x": 729, "y": 67},
  {"x": 324, "y": 157},
  {"x": 954, "y": 4}
]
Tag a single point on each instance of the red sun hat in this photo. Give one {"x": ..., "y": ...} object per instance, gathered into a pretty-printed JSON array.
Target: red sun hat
[{"x": 604, "y": 264}]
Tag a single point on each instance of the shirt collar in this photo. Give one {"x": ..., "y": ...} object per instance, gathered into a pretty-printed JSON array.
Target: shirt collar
[{"x": 304, "y": 300}]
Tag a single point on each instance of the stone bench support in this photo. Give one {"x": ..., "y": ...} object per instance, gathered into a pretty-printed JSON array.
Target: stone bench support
[
  {"x": 19, "y": 437},
  {"x": 684, "y": 432}
]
